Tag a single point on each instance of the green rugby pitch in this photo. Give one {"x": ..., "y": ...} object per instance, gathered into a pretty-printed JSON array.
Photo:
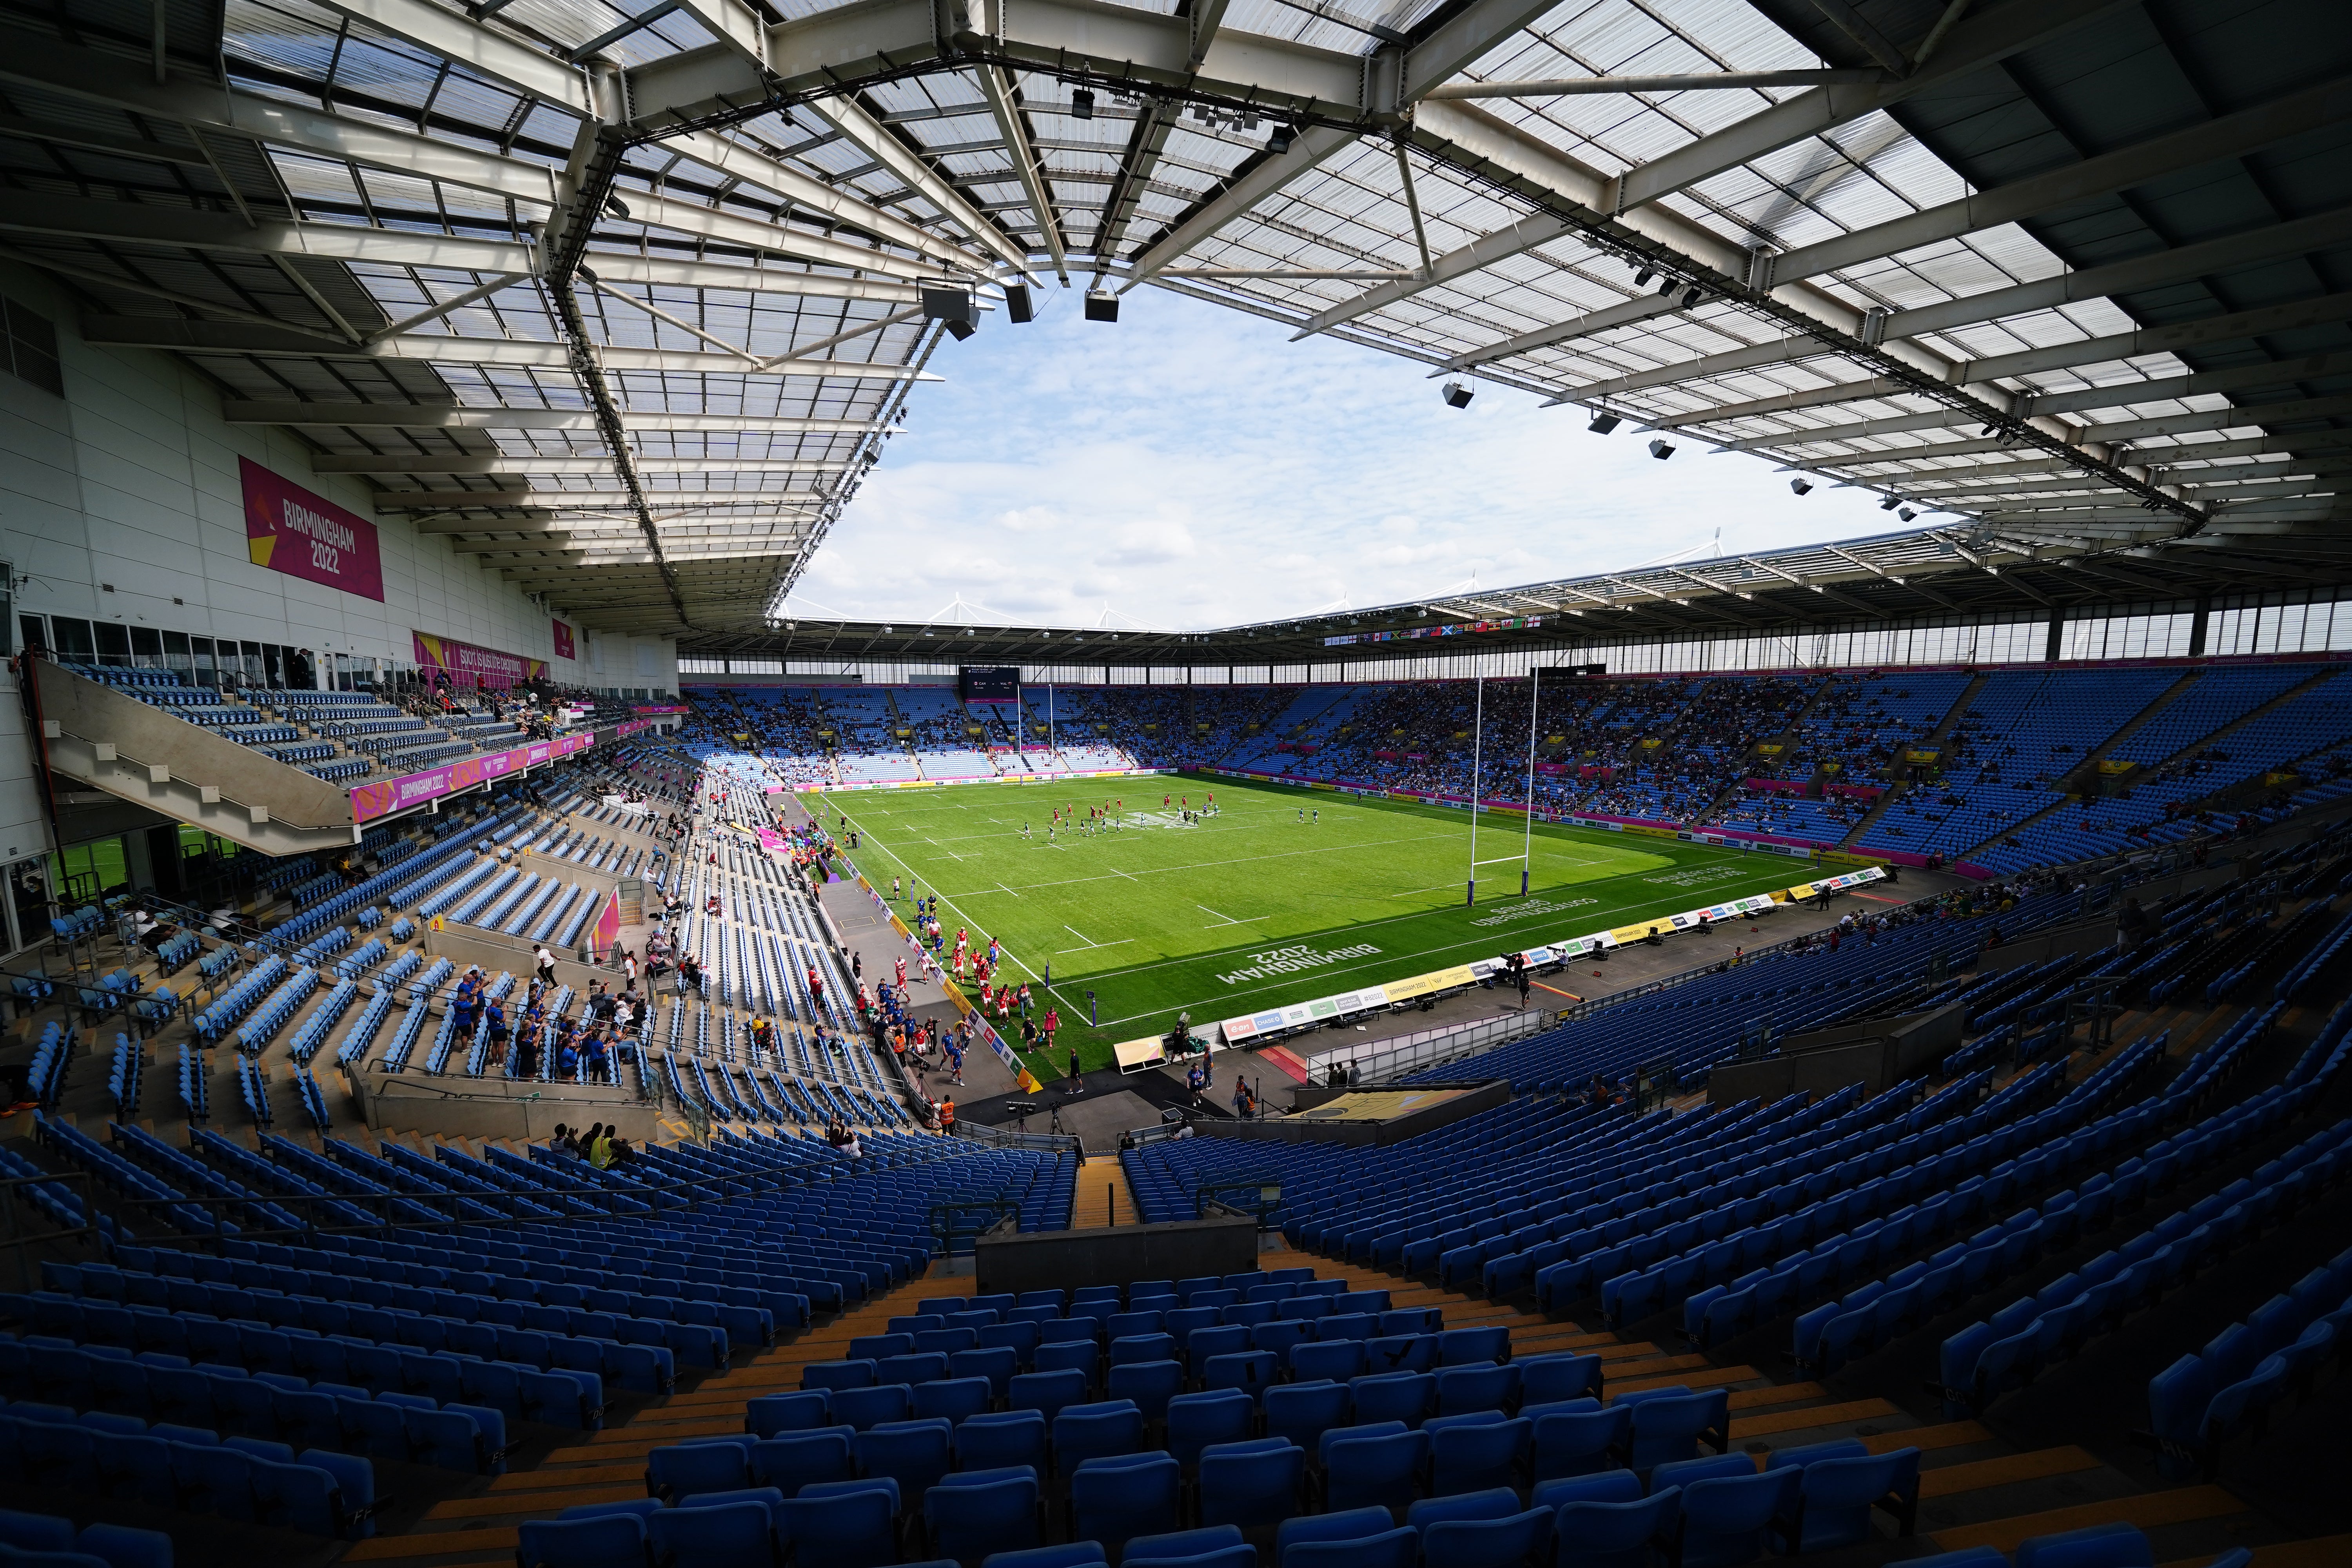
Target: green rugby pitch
[{"x": 1159, "y": 915}]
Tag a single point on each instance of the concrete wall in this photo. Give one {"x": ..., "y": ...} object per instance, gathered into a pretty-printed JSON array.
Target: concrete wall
[
  {"x": 1115, "y": 1255},
  {"x": 1876, "y": 1053},
  {"x": 120, "y": 504},
  {"x": 1356, "y": 1134},
  {"x": 495, "y": 1108}
]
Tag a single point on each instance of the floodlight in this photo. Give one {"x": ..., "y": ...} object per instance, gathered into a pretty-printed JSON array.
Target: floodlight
[
  {"x": 1278, "y": 143},
  {"x": 1692, "y": 295},
  {"x": 1102, "y": 305},
  {"x": 1082, "y": 104},
  {"x": 1018, "y": 307},
  {"x": 1890, "y": 503},
  {"x": 951, "y": 302},
  {"x": 961, "y": 330},
  {"x": 1457, "y": 395},
  {"x": 1667, "y": 286},
  {"x": 1605, "y": 423},
  {"x": 616, "y": 206},
  {"x": 1662, "y": 450},
  {"x": 1906, "y": 514},
  {"x": 1642, "y": 279},
  {"x": 1801, "y": 487}
]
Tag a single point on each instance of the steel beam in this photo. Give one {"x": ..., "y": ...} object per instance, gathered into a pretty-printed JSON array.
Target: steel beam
[
  {"x": 1984, "y": 38},
  {"x": 2127, "y": 393},
  {"x": 1714, "y": 81},
  {"x": 231, "y": 337},
  {"x": 443, "y": 416},
  {"x": 754, "y": 167},
  {"x": 2157, "y": 269},
  {"x": 2169, "y": 339},
  {"x": 576, "y": 501},
  {"x": 878, "y": 141},
  {"x": 1751, "y": 356},
  {"x": 80, "y": 217},
  {"x": 1608, "y": 318},
  {"x": 482, "y": 464},
  {"x": 1252, "y": 183},
  {"x": 668, "y": 212},
  {"x": 998, "y": 90},
  {"x": 486, "y": 53},
  {"x": 41, "y": 60},
  {"x": 2230, "y": 136}
]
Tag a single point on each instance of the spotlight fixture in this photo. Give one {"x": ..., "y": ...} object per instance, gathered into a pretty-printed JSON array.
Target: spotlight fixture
[
  {"x": 1457, "y": 395},
  {"x": 1662, "y": 450},
  {"x": 1082, "y": 104},
  {"x": 1667, "y": 286},
  {"x": 948, "y": 303},
  {"x": 1890, "y": 503},
  {"x": 1605, "y": 423},
  {"x": 1278, "y": 141},
  {"x": 1642, "y": 279},
  {"x": 585, "y": 273},
  {"x": 616, "y": 206},
  {"x": 1906, "y": 514},
  {"x": 1102, "y": 305},
  {"x": 960, "y": 329},
  {"x": 1692, "y": 295},
  {"x": 1801, "y": 487},
  {"x": 1018, "y": 306}
]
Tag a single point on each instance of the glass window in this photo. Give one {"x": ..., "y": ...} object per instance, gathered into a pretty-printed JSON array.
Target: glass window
[
  {"x": 31, "y": 348},
  {"x": 73, "y": 639},
  {"x": 113, "y": 644},
  {"x": 28, "y": 894},
  {"x": 83, "y": 873},
  {"x": 146, "y": 647},
  {"x": 34, "y": 630}
]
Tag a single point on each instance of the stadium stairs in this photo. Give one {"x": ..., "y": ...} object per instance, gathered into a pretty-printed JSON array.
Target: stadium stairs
[
  {"x": 2081, "y": 783},
  {"x": 2083, "y": 780},
  {"x": 135, "y": 752}
]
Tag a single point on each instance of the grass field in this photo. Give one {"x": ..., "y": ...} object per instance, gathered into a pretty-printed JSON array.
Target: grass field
[{"x": 1160, "y": 915}]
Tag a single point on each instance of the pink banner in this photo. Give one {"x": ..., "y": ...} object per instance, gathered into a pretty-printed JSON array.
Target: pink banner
[
  {"x": 293, "y": 531},
  {"x": 474, "y": 666},
  {"x": 653, "y": 708},
  {"x": 608, "y": 924},
  {"x": 563, "y": 643},
  {"x": 383, "y": 797}
]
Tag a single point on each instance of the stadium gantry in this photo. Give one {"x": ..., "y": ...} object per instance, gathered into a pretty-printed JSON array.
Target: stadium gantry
[{"x": 625, "y": 301}]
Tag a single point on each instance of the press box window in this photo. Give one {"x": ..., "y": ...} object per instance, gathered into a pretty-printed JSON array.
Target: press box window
[{"x": 32, "y": 348}]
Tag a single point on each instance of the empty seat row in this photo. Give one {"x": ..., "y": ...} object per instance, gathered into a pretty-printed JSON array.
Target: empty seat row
[
  {"x": 466, "y": 1403},
  {"x": 245, "y": 1479}
]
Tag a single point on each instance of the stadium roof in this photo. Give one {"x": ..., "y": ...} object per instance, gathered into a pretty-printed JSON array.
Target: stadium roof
[{"x": 623, "y": 295}]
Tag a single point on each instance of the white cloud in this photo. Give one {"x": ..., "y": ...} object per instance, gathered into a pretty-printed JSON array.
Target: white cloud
[{"x": 1195, "y": 468}]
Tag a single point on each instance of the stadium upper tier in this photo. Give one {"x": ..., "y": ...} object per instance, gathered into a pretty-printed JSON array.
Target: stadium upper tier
[{"x": 2005, "y": 767}]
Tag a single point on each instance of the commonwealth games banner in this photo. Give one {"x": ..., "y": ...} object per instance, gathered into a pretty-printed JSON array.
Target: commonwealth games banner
[
  {"x": 488, "y": 666},
  {"x": 299, "y": 534},
  {"x": 1262, "y": 1026},
  {"x": 380, "y": 798}
]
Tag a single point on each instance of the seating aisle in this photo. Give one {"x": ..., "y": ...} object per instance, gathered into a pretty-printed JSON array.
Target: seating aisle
[{"x": 1102, "y": 1197}]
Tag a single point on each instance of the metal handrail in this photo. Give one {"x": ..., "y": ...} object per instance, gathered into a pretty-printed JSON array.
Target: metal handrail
[{"x": 16, "y": 1242}]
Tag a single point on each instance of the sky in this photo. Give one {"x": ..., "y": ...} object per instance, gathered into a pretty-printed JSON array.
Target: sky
[{"x": 1189, "y": 468}]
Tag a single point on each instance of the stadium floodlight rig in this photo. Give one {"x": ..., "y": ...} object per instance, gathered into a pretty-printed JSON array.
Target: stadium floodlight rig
[{"x": 699, "y": 234}]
